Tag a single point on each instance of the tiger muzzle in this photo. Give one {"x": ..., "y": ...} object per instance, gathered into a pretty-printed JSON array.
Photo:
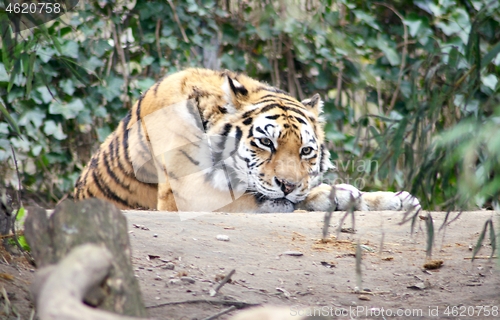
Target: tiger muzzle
[{"x": 285, "y": 186}]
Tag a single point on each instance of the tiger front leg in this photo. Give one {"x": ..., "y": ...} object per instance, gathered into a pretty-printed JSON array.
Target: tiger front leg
[
  {"x": 166, "y": 199},
  {"x": 348, "y": 197},
  {"x": 321, "y": 198},
  {"x": 318, "y": 199}
]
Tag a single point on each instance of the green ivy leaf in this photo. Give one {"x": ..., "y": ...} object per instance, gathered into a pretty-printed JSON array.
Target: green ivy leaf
[
  {"x": 101, "y": 47},
  {"x": 4, "y": 77},
  {"x": 490, "y": 81},
  {"x": 112, "y": 89},
  {"x": 52, "y": 129},
  {"x": 70, "y": 49},
  {"x": 93, "y": 63},
  {"x": 171, "y": 42},
  {"x": 67, "y": 86},
  {"x": 44, "y": 94},
  {"x": 67, "y": 110},
  {"x": 390, "y": 53},
  {"x": 145, "y": 84}
]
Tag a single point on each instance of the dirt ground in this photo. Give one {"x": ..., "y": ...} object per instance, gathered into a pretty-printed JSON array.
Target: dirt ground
[{"x": 179, "y": 259}]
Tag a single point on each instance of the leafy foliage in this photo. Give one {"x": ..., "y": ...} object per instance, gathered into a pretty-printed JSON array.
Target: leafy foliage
[{"x": 411, "y": 89}]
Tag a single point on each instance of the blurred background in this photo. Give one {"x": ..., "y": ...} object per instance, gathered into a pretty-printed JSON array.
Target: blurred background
[{"x": 411, "y": 88}]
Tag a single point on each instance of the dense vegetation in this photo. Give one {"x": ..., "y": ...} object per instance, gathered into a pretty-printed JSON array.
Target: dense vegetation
[{"x": 411, "y": 89}]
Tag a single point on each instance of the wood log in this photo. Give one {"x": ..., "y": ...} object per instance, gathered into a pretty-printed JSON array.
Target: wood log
[
  {"x": 90, "y": 221},
  {"x": 59, "y": 289}
]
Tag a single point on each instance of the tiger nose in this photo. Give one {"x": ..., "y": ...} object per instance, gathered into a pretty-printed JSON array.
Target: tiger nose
[{"x": 285, "y": 185}]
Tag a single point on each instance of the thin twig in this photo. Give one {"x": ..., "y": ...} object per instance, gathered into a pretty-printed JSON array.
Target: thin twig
[
  {"x": 20, "y": 203},
  {"x": 62, "y": 199},
  {"x": 290, "y": 74},
  {"x": 222, "y": 283},
  {"x": 176, "y": 18},
  {"x": 18, "y": 191},
  {"x": 223, "y": 312},
  {"x": 121, "y": 55},
  {"x": 237, "y": 304},
  {"x": 157, "y": 36},
  {"x": 338, "y": 100},
  {"x": 5, "y": 236},
  {"x": 403, "y": 54}
]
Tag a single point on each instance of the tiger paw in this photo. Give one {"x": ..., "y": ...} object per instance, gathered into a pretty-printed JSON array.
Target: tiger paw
[{"x": 318, "y": 199}]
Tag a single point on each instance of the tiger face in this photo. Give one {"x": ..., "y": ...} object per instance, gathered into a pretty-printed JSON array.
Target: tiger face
[
  {"x": 281, "y": 153},
  {"x": 278, "y": 154}
]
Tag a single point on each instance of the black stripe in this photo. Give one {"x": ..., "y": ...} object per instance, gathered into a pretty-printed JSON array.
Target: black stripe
[
  {"x": 197, "y": 114},
  {"x": 144, "y": 146},
  {"x": 126, "y": 121},
  {"x": 111, "y": 172},
  {"x": 138, "y": 110},
  {"x": 172, "y": 175},
  {"x": 84, "y": 183},
  {"x": 116, "y": 155},
  {"x": 276, "y": 116},
  {"x": 220, "y": 146},
  {"x": 94, "y": 161},
  {"x": 244, "y": 159},
  {"x": 222, "y": 110},
  {"x": 157, "y": 85},
  {"x": 273, "y": 89},
  {"x": 250, "y": 132},
  {"x": 321, "y": 156},
  {"x": 274, "y": 97},
  {"x": 107, "y": 192},
  {"x": 260, "y": 198},
  {"x": 239, "y": 134},
  {"x": 248, "y": 114},
  {"x": 226, "y": 129},
  {"x": 248, "y": 121},
  {"x": 237, "y": 90},
  {"x": 268, "y": 125},
  {"x": 78, "y": 190},
  {"x": 193, "y": 161},
  {"x": 284, "y": 108},
  {"x": 258, "y": 129},
  {"x": 300, "y": 120}
]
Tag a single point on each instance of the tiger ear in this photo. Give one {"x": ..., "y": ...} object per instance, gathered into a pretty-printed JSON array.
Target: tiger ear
[
  {"x": 314, "y": 104},
  {"x": 233, "y": 91}
]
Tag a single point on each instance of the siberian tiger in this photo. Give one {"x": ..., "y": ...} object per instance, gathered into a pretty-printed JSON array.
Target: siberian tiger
[{"x": 203, "y": 140}]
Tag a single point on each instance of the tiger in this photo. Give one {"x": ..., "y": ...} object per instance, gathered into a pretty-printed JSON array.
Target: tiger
[{"x": 206, "y": 140}]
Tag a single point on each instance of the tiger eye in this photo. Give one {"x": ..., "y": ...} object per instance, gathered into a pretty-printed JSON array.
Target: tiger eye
[
  {"x": 307, "y": 150},
  {"x": 266, "y": 141}
]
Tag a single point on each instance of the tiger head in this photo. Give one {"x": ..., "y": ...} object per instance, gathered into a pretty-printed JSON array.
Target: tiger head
[{"x": 276, "y": 141}]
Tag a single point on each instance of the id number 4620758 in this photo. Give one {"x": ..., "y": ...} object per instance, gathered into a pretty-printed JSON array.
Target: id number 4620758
[
  {"x": 40, "y": 7},
  {"x": 471, "y": 311}
]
